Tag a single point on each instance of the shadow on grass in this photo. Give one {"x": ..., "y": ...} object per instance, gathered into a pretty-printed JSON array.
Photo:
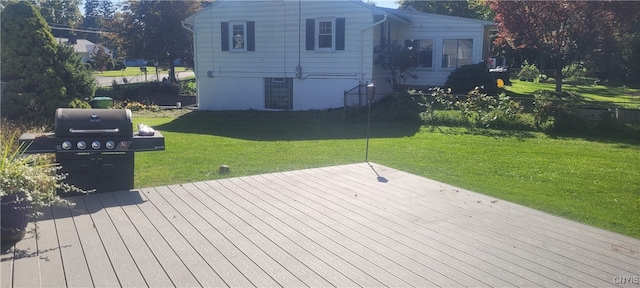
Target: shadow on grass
[{"x": 284, "y": 125}]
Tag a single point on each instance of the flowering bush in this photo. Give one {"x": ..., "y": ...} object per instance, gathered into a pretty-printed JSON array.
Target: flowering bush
[{"x": 477, "y": 109}]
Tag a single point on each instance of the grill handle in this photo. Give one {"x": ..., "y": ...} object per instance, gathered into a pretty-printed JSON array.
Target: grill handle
[{"x": 93, "y": 131}]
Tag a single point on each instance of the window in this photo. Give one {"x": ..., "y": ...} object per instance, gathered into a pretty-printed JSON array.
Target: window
[
  {"x": 278, "y": 93},
  {"x": 421, "y": 52},
  {"x": 237, "y": 36},
  {"x": 325, "y": 34},
  {"x": 456, "y": 53}
]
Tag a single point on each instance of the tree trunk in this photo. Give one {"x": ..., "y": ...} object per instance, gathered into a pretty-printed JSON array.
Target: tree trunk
[
  {"x": 172, "y": 70},
  {"x": 558, "y": 79}
]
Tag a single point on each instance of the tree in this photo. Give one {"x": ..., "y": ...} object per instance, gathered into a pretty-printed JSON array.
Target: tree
[
  {"x": 563, "y": 31},
  {"x": 40, "y": 75},
  {"x": 399, "y": 61},
  {"x": 96, "y": 14},
  {"x": 60, "y": 13},
  {"x": 100, "y": 58},
  {"x": 153, "y": 30},
  {"x": 468, "y": 9},
  {"x": 620, "y": 58}
]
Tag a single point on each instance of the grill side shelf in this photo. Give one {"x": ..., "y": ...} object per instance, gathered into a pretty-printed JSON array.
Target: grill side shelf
[
  {"x": 35, "y": 143},
  {"x": 148, "y": 143}
]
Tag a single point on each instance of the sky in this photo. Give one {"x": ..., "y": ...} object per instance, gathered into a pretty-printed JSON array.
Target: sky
[{"x": 386, "y": 3}]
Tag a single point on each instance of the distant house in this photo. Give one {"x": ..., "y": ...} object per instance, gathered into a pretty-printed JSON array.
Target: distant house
[
  {"x": 83, "y": 47},
  {"x": 301, "y": 55}
]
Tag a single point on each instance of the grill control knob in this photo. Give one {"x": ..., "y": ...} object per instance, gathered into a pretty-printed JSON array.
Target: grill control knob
[
  {"x": 66, "y": 145},
  {"x": 95, "y": 144},
  {"x": 81, "y": 145},
  {"x": 110, "y": 145}
]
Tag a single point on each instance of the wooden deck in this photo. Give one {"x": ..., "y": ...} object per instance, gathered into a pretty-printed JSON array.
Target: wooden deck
[{"x": 351, "y": 225}]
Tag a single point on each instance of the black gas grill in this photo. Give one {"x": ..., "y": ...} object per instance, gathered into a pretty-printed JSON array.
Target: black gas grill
[{"x": 95, "y": 147}]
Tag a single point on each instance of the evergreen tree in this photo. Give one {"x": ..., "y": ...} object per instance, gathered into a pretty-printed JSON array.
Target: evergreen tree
[
  {"x": 64, "y": 14},
  {"x": 39, "y": 74},
  {"x": 100, "y": 59},
  {"x": 96, "y": 14}
]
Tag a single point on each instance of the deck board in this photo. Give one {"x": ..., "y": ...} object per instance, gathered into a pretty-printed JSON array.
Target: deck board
[
  {"x": 228, "y": 249},
  {"x": 74, "y": 260},
  {"x": 288, "y": 238},
  {"x": 192, "y": 259},
  {"x": 341, "y": 226},
  {"x": 98, "y": 262},
  {"x": 123, "y": 265},
  {"x": 146, "y": 261},
  {"x": 201, "y": 241},
  {"x": 454, "y": 257},
  {"x": 22, "y": 270},
  {"x": 49, "y": 252},
  {"x": 171, "y": 264},
  {"x": 348, "y": 225}
]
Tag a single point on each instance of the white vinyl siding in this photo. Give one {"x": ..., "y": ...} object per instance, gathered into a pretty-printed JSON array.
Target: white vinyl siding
[
  {"x": 280, "y": 40},
  {"x": 439, "y": 28}
]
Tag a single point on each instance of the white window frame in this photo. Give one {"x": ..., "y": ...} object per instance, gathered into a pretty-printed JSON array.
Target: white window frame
[
  {"x": 457, "y": 64},
  {"x": 419, "y": 49},
  {"x": 232, "y": 41},
  {"x": 333, "y": 35}
]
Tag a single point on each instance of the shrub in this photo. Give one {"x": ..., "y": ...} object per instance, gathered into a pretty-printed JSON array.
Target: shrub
[
  {"x": 476, "y": 110},
  {"x": 120, "y": 65},
  {"x": 573, "y": 72},
  {"x": 79, "y": 103},
  {"x": 137, "y": 106},
  {"x": 482, "y": 110},
  {"x": 187, "y": 87},
  {"x": 139, "y": 91},
  {"x": 528, "y": 72},
  {"x": 466, "y": 78},
  {"x": 109, "y": 65},
  {"x": 542, "y": 113}
]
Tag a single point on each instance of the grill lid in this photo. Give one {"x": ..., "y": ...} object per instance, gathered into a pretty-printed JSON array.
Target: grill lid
[{"x": 71, "y": 122}]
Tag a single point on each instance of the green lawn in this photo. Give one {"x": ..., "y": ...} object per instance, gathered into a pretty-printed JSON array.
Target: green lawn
[
  {"x": 621, "y": 95},
  {"x": 593, "y": 182},
  {"x": 133, "y": 71}
]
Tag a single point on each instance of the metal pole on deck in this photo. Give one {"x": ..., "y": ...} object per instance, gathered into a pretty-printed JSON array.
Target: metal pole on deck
[{"x": 371, "y": 92}]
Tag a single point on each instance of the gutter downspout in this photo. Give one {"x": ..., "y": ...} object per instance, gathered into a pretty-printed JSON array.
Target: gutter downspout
[
  {"x": 195, "y": 63},
  {"x": 362, "y": 44}
]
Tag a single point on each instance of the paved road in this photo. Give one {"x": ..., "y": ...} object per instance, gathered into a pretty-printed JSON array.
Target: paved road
[{"x": 107, "y": 81}]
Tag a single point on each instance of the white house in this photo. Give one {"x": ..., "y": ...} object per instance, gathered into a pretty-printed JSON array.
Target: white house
[
  {"x": 83, "y": 47},
  {"x": 302, "y": 54}
]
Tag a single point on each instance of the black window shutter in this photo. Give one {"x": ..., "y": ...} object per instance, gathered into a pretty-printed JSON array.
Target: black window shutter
[
  {"x": 251, "y": 36},
  {"x": 311, "y": 30},
  {"x": 224, "y": 36},
  {"x": 340, "y": 33}
]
